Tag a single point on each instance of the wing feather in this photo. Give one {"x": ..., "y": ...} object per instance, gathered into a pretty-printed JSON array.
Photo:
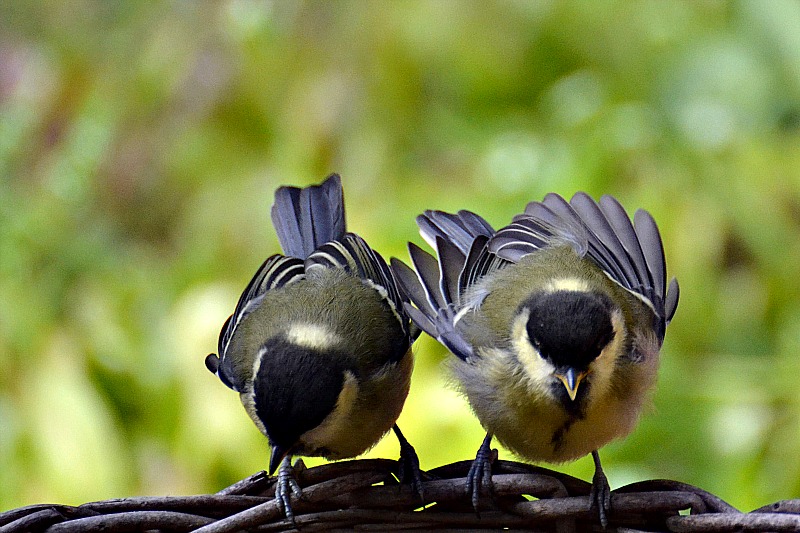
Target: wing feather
[
  {"x": 468, "y": 249},
  {"x": 275, "y": 272},
  {"x": 354, "y": 255}
]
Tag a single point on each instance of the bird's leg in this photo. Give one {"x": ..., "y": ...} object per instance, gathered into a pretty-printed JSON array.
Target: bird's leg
[
  {"x": 409, "y": 464},
  {"x": 285, "y": 487},
  {"x": 480, "y": 473},
  {"x": 601, "y": 491}
]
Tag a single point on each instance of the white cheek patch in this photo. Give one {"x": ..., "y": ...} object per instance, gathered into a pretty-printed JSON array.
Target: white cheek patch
[
  {"x": 328, "y": 431},
  {"x": 537, "y": 370},
  {"x": 311, "y": 336},
  {"x": 248, "y": 395},
  {"x": 614, "y": 348},
  {"x": 248, "y": 399},
  {"x": 256, "y": 367},
  {"x": 603, "y": 367}
]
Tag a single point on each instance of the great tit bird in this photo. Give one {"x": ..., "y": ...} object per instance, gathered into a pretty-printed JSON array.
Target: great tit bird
[
  {"x": 319, "y": 345},
  {"x": 556, "y": 321}
]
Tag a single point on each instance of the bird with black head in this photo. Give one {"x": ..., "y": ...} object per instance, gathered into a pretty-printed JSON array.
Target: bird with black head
[
  {"x": 319, "y": 344},
  {"x": 556, "y": 320}
]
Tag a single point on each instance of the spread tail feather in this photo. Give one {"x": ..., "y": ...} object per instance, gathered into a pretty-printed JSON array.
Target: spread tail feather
[{"x": 307, "y": 218}]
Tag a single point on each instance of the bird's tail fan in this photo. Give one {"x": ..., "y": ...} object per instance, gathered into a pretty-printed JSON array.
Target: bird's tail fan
[{"x": 307, "y": 218}]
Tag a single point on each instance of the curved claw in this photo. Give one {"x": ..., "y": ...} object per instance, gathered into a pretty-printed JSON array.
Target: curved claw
[
  {"x": 601, "y": 492},
  {"x": 409, "y": 471},
  {"x": 286, "y": 487},
  {"x": 480, "y": 473}
]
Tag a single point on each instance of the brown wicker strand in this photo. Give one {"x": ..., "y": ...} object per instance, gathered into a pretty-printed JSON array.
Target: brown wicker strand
[{"x": 364, "y": 495}]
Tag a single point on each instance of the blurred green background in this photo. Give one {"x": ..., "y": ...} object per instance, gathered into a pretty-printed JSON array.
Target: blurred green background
[{"x": 141, "y": 144}]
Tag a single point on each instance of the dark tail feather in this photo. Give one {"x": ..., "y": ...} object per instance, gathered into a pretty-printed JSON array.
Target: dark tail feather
[{"x": 305, "y": 219}]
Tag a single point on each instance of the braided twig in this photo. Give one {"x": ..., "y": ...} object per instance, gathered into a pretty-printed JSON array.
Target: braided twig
[{"x": 365, "y": 495}]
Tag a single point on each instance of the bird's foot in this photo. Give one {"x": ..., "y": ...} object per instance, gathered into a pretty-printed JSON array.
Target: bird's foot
[
  {"x": 409, "y": 471},
  {"x": 286, "y": 487},
  {"x": 600, "y": 495},
  {"x": 480, "y": 473}
]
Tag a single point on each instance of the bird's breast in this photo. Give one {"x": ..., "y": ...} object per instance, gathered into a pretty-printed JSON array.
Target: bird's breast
[
  {"x": 365, "y": 411},
  {"x": 531, "y": 422}
]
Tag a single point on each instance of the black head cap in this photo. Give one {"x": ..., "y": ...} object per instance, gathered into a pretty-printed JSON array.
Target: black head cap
[
  {"x": 295, "y": 389},
  {"x": 570, "y": 328}
]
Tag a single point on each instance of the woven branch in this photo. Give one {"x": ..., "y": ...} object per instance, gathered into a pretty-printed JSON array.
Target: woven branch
[{"x": 364, "y": 495}]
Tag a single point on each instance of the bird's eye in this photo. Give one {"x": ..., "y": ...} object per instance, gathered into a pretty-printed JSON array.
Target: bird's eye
[
  {"x": 604, "y": 341},
  {"x": 609, "y": 338}
]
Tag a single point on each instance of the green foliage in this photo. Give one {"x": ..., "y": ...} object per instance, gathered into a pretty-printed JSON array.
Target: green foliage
[{"x": 141, "y": 143}]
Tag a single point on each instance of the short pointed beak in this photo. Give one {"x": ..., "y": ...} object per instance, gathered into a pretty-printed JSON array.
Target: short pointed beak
[
  {"x": 278, "y": 453},
  {"x": 572, "y": 380}
]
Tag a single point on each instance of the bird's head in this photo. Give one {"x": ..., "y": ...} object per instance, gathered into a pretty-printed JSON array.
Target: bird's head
[
  {"x": 564, "y": 337},
  {"x": 300, "y": 387}
]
